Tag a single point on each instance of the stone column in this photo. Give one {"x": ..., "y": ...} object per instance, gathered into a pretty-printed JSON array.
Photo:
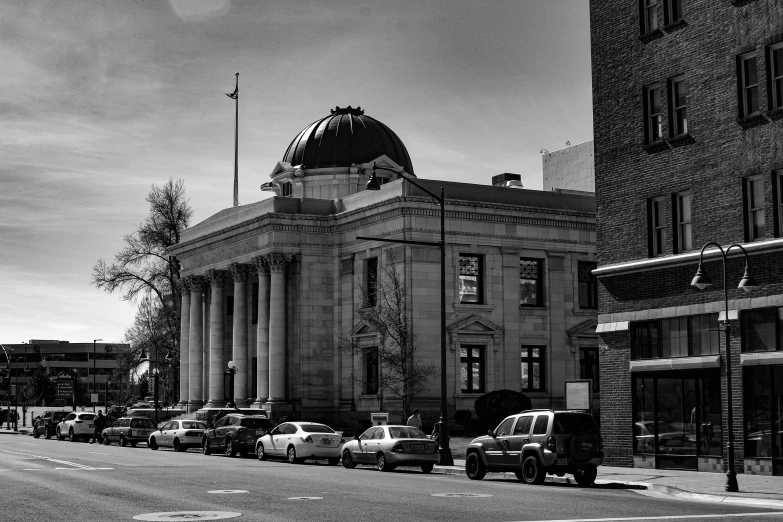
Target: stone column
[
  {"x": 217, "y": 367},
  {"x": 277, "y": 266},
  {"x": 184, "y": 346},
  {"x": 195, "y": 344},
  {"x": 239, "y": 345},
  {"x": 262, "y": 337}
]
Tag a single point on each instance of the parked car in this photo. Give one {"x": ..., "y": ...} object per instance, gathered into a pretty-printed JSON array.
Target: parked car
[
  {"x": 670, "y": 439},
  {"x": 128, "y": 430},
  {"x": 179, "y": 434},
  {"x": 235, "y": 433},
  {"x": 390, "y": 446},
  {"x": 75, "y": 425},
  {"x": 47, "y": 422},
  {"x": 300, "y": 441},
  {"x": 535, "y": 443},
  {"x": 208, "y": 415}
]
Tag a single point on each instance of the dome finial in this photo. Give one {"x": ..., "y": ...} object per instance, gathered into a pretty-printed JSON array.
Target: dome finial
[{"x": 348, "y": 110}]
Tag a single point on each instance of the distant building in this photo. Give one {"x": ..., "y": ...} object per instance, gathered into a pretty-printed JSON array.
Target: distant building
[
  {"x": 94, "y": 363},
  {"x": 688, "y": 150},
  {"x": 276, "y": 285},
  {"x": 570, "y": 169}
]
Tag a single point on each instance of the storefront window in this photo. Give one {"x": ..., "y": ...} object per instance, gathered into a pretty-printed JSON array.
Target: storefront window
[
  {"x": 759, "y": 330},
  {"x": 763, "y": 409},
  {"x": 689, "y": 336}
]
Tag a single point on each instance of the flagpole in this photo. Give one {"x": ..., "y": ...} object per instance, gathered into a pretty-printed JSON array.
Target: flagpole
[{"x": 236, "y": 146}]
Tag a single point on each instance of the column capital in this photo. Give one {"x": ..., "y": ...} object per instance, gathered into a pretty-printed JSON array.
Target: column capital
[
  {"x": 239, "y": 272},
  {"x": 217, "y": 277},
  {"x": 278, "y": 262},
  {"x": 193, "y": 283},
  {"x": 261, "y": 265}
]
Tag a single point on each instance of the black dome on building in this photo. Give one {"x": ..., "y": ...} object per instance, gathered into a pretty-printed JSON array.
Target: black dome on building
[{"x": 344, "y": 138}]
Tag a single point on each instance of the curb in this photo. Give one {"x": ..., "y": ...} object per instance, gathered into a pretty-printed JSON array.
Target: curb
[{"x": 455, "y": 470}]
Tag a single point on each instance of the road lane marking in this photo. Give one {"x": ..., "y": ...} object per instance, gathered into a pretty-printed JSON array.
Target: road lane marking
[
  {"x": 56, "y": 461},
  {"x": 666, "y": 517},
  {"x": 97, "y": 453},
  {"x": 228, "y": 491},
  {"x": 33, "y": 469}
]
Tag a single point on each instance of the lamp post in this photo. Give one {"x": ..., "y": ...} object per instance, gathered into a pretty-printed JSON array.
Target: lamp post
[
  {"x": 94, "y": 389},
  {"x": 231, "y": 371},
  {"x": 701, "y": 281},
  {"x": 373, "y": 184},
  {"x": 154, "y": 373}
]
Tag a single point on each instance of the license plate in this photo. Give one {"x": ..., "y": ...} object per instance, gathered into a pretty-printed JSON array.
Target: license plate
[
  {"x": 562, "y": 462},
  {"x": 418, "y": 447}
]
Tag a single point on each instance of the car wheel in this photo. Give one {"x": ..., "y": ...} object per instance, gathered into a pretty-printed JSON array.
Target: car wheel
[
  {"x": 427, "y": 468},
  {"x": 123, "y": 442},
  {"x": 231, "y": 450},
  {"x": 532, "y": 471},
  {"x": 71, "y": 436},
  {"x": 152, "y": 444},
  {"x": 205, "y": 446},
  {"x": 333, "y": 461},
  {"x": 348, "y": 460},
  {"x": 178, "y": 446},
  {"x": 59, "y": 435},
  {"x": 106, "y": 441},
  {"x": 382, "y": 464},
  {"x": 474, "y": 467},
  {"x": 586, "y": 476},
  {"x": 291, "y": 455},
  {"x": 260, "y": 452}
]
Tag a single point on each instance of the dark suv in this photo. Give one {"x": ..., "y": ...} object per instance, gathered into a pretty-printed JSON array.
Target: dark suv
[
  {"x": 47, "y": 422},
  {"x": 235, "y": 433},
  {"x": 535, "y": 443}
]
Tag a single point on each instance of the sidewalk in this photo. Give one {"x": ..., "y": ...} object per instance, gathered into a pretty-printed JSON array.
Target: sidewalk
[{"x": 755, "y": 490}]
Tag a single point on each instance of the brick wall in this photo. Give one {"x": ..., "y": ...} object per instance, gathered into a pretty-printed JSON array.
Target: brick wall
[{"x": 614, "y": 354}]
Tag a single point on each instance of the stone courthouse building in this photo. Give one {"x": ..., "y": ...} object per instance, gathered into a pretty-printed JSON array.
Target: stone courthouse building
[
  {"x": 688, "y": 144},
  {"x": 275, "y": 285}
]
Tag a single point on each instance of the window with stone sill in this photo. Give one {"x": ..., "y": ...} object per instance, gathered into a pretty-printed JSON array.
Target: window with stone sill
[
  {"x": 755, "y": 219},
  {"x": 672, "y": 12},
  {"x": 471, "y": 275},
  {"x": 656, "y": 228},
  {"x": 371, "y": 281},
  {"x": 472, "y": 369},
  {"x": 371, "y": 373},
  {"x": 762, "y": 330},
  {"x": 653, "y": 115},
  {"x": 533, "y": 376},
  {"x": 531, "y": 282},
  {"x": 588, "y": 285},
  {"x": 775, "y": 76},
  {"x": 286, "y": 188},
  {"x": 687, "y": 336},
  {"x": 648, "y": 16},
  {"x": 678, "y": 107},
  {"x": 748, "y": 82},
  {"x": 681, "y": 205},
  {"x": 588, "y": 366}
]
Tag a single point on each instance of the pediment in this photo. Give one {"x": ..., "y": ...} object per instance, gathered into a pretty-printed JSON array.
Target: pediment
[
  {"x": 585, "y": 328},
  {"x": 281, "y": 167},
  {"x": 383, "y": 161},
  {"x": 363, "y": 329},
  {"x": 475, "y": 324}
]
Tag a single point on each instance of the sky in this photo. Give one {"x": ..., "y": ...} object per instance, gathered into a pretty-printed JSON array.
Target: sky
[{"x": 101, "y": 100}]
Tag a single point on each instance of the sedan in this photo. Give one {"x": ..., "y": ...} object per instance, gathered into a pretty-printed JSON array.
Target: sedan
[
  {"x": 299, "y": 441},
  {"x": 76, "y": 425},
  {"x": 179, "y": 434},
  {"x": 390, "y": 446}
]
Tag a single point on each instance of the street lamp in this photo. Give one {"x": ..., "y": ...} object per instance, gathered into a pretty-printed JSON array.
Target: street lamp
[
  {"x": 94, "y": 389},
  {"x": 701, "y": 281},
  {"x": 154, "y": 373},
  {"x": 231, "y": 371},
  {"x": 373, "y": 184}
]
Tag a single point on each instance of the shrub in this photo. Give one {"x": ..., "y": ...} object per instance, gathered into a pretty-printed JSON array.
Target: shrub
[
  {"x": 495, "y": 406},
  {"x": 463, "y": 417}
]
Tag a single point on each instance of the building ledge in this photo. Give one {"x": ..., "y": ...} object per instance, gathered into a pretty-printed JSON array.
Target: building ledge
[
  {"x": 711, "y": 254},
  {"x": 761, "y": 358},
  {"x": 679, "y": 363}
]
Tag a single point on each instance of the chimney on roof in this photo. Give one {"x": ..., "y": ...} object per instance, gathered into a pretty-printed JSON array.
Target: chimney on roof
[{"x": 507, "y": 179}]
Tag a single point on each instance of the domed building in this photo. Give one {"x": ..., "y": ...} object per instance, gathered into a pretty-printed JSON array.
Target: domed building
[{"x": 285, "y": 290}]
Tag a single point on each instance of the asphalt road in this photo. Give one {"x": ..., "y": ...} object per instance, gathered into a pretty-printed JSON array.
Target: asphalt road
[{"x": 51, "y": 480}]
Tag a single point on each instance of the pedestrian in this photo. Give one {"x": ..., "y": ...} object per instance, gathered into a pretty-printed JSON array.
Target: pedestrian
[
  {"x": 436, "y": 433},
  {"x": 415, "y": 419},
  {"x": 98, "y": 424}
]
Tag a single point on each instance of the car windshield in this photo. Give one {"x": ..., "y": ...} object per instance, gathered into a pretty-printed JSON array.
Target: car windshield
[
  {"x": 256, "y": 424},
  {"x": 574, "y": 423},
  {"x": 86, "y": 416},
  {"x": 316, "y": 428},
  {"x": 407, "y": 433},
  {"x": 142, "y": 423},
  {"x": 193, "y": 426}
]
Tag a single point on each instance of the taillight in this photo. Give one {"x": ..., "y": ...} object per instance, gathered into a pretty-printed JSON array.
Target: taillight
[
  {"x": 551, "y": 444},
  {"x": 397, "y": 448},
  {"x": 306, "y": 439}
]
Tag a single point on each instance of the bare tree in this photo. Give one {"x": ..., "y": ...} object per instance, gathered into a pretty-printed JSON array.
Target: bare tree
[
  {"x": 399, "y": 371},
  {"x": 143, "y": 267}
]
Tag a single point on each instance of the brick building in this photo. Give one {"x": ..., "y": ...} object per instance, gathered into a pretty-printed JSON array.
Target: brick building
[
  {"x": 688, "y": 100},
  {"x": 277, "y": 285}
]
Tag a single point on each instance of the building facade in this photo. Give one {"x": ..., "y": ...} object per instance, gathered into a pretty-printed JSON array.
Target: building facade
[
  {"x": 688, "y": 150},
  {"x": 94, "y": 364},
  {"x": 277, "y": 286}
]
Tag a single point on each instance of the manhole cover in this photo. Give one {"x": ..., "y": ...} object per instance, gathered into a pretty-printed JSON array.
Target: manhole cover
[
  {"x": 188, "y": 515},
  {"x": 228, "y": 491},
  {"x": 453, "y": 495},
  {"x": 305, "y": 498}
]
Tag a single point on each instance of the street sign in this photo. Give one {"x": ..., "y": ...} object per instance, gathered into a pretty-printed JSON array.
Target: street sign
[
  {"x": 64, "y": 389},
  {"x": 94, "y": 398}
]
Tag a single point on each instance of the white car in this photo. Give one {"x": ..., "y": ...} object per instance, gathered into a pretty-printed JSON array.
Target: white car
[
  {"x": 77, "y": 424},
  {"x": 179, "y": 434},
  {"x": 300, "y": 441}
]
